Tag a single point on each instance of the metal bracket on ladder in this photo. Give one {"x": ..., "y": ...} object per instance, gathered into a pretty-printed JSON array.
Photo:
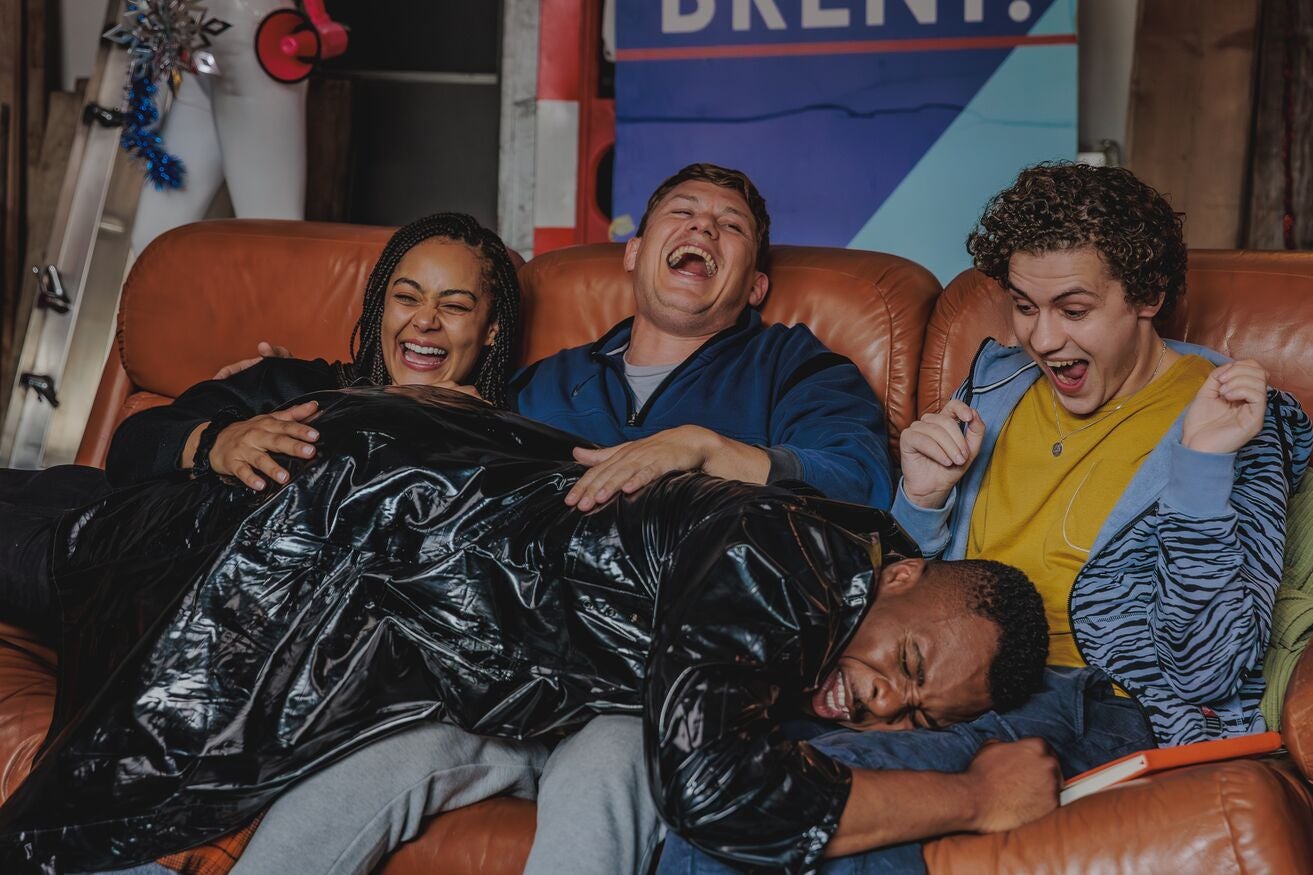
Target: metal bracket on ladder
[
  {"x": 70, "y": 328},
  {"x": 42, "y": 385},
  {"x": 50, "y": 290}
]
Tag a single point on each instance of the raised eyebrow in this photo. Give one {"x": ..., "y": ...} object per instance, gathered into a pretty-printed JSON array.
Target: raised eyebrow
[{"x": 1070, "y": 292}]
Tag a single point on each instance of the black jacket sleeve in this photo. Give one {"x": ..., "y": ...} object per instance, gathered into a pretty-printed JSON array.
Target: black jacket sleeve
[
  {"x": 149, "y": 444},
  {"x": 765, "y": 599}
]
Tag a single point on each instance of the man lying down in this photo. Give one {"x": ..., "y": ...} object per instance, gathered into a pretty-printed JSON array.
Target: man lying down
[{"x": 218, "y": 645}]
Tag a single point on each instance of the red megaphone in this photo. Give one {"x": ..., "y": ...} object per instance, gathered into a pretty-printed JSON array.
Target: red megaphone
[{"x": 289, "y": 42}]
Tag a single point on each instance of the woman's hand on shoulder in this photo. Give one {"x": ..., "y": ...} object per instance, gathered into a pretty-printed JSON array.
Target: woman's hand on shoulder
[{"x": 265, "y": 349}]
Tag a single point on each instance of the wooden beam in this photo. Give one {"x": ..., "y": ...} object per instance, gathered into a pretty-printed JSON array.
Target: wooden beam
[
  {"x": 13, "y": 98},
  {"x": 1286, "y": 48},
  {"x": 1191, "y": 108}
]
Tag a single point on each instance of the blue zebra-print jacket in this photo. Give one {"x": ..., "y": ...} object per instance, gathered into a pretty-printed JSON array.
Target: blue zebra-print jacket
[{"x": 1175, "y": 601}]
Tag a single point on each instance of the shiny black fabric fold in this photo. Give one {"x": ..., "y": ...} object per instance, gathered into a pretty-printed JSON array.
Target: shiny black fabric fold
[{"x": 220, "y": 645}]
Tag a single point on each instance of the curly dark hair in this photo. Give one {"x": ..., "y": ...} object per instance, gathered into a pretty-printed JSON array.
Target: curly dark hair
[
  {"x": 734, "y": 180},
  {"x": 1061, "y": 205},
  {"x": 495, "y": 363},
  {"x": 1005, "y": 596}
]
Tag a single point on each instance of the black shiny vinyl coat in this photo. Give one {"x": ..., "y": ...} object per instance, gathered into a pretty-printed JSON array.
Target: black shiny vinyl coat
[{"x": 219, "y": 645}]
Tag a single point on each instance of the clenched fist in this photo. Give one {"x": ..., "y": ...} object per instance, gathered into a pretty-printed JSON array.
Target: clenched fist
[
  {"x": 936, "y": 451},
  {"x": 1228, "y": 410},
  {"x": 1015, "y": 783}
]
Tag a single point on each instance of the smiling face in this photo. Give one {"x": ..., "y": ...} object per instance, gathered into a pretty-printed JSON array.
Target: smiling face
[
  {"x": 1073, "y": 318},
  {"x": 695, "y": 265},
  {"x": 919, "y": 660},
  {"x": 437, "y": 315}
]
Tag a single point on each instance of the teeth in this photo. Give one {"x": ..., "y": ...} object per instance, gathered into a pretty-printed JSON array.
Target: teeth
[
  {"x": 1062, "y": 363},
  {"x": 424, "y": 350},
  {"x": 686, "y": 249}
]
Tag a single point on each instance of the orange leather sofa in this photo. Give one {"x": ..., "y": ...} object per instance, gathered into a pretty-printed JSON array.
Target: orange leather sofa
[{"x": 204, "y": 295}]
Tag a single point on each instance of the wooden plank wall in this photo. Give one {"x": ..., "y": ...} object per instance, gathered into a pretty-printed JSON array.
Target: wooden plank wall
[
  {"x": 1191, "y": 110},
  {"x": 13, "y": 151},
  {"x": 1285, "y": 49},
  {"x": 29, "y": 47}
]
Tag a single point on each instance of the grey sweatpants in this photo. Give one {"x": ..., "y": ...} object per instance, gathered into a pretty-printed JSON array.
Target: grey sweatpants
[{"x": 595, "y": 813}]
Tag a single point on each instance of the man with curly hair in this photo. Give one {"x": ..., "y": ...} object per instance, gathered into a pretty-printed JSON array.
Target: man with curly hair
[{"x": 1141, "y": 483}]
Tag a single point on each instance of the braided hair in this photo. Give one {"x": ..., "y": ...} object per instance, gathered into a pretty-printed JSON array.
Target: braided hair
[{"x": 367, "y": 361}]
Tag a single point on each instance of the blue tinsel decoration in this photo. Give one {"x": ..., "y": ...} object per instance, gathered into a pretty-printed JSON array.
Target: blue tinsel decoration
[{"x": 139, "y": 132}]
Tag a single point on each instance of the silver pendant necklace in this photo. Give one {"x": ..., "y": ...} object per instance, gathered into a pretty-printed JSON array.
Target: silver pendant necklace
[{"x": 1056, "y": 449}]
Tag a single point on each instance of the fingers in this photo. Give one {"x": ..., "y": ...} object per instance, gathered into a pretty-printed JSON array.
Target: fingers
[
  {"x": 235, "y": 368},
  {"x": 595, "y": 488},
  {"x": 590, "y": 457},
  {"x": 625, "y": 468},
  {"x": 975, "y": 436},
  {"x": 1242, "y": 381},
  {"x": 298, "y": 412},
  {"x": 289, "y": 445},
  {"x": 243, "y": 450},
  {"x": 247, "y": 475},
  {"x": 269, "y": 350},
  {"x": 939, "y": 438},
  {"x": 959, "y": 410},
  {"x": 265, "y": 463}
]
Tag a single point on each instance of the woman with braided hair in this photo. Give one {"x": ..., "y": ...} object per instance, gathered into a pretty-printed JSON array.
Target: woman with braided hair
[{"x": 441, "y": 308}]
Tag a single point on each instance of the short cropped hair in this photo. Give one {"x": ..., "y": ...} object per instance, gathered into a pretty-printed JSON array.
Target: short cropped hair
[
  {"x": 1060, "y": 205},
  {"x": 1006, "y": 597},
  {"x": 734, "y": 180}
]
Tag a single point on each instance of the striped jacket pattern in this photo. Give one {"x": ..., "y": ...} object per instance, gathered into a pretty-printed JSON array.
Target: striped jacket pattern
[{"x": 1175, "y": 600}]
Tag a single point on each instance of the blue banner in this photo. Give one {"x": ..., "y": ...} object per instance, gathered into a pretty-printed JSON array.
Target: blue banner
[{"x": 878, "y": 124}]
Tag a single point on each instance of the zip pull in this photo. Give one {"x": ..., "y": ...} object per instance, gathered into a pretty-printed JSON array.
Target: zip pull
[{"x": 633, "y": 418}]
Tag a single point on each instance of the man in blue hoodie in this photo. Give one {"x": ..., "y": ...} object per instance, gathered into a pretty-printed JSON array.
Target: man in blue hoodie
[{"x": 694, "y": 381}]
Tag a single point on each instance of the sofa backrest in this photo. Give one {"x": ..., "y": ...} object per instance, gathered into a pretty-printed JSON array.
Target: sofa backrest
[
  {"x": 1245, "y": 304},
  {"x": 204, "y": 295}
]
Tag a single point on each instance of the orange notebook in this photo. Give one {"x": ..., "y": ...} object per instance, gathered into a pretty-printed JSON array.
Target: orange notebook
[{"x": 1146, "y": 762}]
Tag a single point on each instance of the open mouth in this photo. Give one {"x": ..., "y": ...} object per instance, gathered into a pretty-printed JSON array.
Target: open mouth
[
  {"x": 833, "y": 701},
  {"x": 692, "y": 261},
  {"x": 1068, "y": 374},
  {"x": 420, "y": 357}
]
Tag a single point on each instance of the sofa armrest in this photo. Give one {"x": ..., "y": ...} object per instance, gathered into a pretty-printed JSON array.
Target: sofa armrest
[
  {"x": 1297, "y": 715},
  {"x": 1237, "y": 816}
]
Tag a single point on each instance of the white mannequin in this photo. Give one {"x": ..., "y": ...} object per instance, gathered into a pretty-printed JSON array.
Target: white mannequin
[{"x": 240, "y": 126}]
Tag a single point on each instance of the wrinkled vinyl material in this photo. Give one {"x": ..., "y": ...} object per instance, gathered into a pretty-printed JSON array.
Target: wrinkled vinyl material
[{"x": 219, "y": 646}]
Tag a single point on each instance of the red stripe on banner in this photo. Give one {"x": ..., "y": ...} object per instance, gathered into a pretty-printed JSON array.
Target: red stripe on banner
[
  {"x": 560, "y": 29},
  {"x": 851, "y": 47},
  {"x": 547, "y": 239}
]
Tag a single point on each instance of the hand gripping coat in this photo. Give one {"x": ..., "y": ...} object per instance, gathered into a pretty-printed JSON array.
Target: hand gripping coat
[{"x": 219, "y": 645}]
